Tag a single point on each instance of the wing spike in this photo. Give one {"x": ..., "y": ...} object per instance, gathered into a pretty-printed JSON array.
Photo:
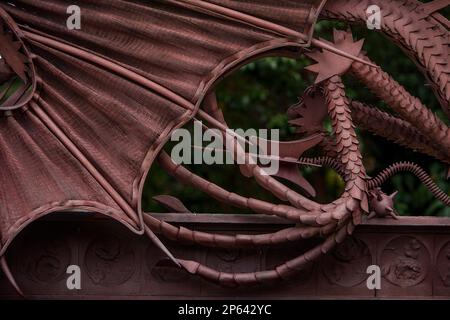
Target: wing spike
[{"x": 328, "y": 47}]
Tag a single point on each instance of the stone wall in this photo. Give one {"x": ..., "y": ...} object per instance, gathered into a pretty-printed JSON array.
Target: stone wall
[{"x": 413, "y": 254}]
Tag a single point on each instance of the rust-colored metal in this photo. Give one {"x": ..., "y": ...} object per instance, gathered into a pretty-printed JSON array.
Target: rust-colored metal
[
  {"x": 405, "y": 22},
  {"x": 95, "y": 106}
]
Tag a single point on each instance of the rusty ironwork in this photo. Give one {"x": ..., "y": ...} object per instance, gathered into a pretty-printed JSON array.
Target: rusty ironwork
[{"x": 95, "y": 106}]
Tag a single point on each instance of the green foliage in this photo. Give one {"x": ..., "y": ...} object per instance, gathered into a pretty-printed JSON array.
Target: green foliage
[{"x": 10, "y": 87}]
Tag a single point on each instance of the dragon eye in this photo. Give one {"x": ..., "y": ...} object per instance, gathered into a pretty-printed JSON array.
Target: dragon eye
[{"x": 17, "y": 78}]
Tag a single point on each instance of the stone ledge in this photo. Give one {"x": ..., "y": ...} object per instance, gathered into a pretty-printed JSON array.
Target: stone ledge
[{"x": 413, "y": 253}]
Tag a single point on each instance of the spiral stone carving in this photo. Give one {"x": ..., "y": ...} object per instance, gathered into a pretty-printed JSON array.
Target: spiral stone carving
[{"x": 109, "y": 261}]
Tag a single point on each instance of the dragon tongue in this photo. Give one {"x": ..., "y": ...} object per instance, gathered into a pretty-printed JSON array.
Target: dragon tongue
[{"x": 291, "y": 150}]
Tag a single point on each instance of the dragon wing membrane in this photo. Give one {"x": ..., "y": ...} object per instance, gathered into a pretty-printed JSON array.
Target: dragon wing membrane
[{"x": 109, "y": 95}]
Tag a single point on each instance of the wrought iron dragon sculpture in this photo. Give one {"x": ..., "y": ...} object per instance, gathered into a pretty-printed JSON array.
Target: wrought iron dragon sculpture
[{"x": 95, "y": 106}]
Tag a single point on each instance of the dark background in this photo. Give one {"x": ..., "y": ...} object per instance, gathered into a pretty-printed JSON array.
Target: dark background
[{"x": 258, "y": 95}]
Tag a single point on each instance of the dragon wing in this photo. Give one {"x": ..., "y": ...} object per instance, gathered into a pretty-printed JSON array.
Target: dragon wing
[{"x": 103, "y": 99}]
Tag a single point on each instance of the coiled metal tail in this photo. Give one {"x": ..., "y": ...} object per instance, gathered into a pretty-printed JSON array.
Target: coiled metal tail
[
  {"x": 415, "y": 169},
  {"x": 386, "y": 174}
]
